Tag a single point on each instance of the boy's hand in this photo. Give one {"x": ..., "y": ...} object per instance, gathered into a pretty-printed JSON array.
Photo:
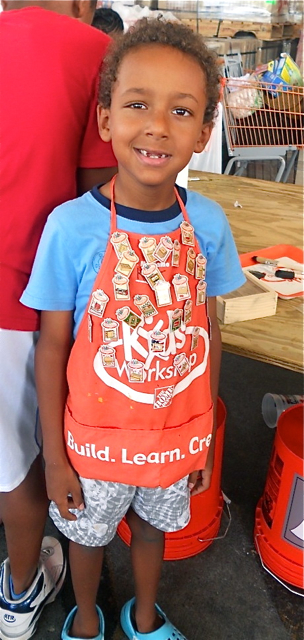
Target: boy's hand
[
  {"x": 199, "y": 481},
  {"x": 63, "y": 487}
]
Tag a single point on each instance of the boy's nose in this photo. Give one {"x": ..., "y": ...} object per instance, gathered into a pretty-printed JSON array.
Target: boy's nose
[{"x": 157, "y": 125}]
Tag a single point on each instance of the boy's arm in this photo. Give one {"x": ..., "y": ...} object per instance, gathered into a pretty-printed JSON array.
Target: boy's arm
[
  {"x": 200, "y": 481},
  {"x": 52, "y": 353}
]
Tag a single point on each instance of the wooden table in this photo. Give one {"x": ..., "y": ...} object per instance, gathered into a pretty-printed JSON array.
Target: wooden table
[{"x": 271, "y": 213}]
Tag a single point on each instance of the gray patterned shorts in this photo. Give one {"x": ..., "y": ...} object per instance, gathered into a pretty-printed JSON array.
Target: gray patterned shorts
[{"x": 106, "y": 503}]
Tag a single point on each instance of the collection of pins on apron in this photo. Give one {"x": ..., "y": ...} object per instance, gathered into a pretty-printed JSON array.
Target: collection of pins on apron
[{"x": 153, "y": 254}]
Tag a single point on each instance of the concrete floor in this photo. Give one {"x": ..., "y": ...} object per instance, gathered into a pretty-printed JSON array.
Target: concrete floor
[{"x": 223, "y": 593}]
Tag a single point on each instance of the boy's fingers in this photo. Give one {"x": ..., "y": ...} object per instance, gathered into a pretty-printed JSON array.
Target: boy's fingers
[
  {"x": 72, "y": 501},
  {"x": 192, "y": 479},
  {"x": 75, "y": 501},
  {"x": 64, "y": 511},
  {"x": 197, "y": 490},
  {"x": 203, "y": 482}
]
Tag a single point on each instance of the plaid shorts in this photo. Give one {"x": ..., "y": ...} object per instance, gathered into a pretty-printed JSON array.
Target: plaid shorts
[{"x": 106, "y": 503}]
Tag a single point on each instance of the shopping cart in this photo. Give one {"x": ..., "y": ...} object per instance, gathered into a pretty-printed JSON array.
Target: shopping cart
[{"x": 262, "y": 122}]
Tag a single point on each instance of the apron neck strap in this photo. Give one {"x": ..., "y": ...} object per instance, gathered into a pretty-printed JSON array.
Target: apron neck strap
[
  {"x": 113, "y": 208},
  {"x": 181, "y": 204}
]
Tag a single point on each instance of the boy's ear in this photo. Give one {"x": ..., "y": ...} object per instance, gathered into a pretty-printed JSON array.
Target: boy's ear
[
  {"x": 204, "y": 137},
  {"x": 103, "y": 121}
]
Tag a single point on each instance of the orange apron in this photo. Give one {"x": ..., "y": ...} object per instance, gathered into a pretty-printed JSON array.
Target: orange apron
[{"x": 139, "y": 409}]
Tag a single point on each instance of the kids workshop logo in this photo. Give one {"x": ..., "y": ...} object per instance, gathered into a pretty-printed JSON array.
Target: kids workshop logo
[{"x": 141, "y": 363}]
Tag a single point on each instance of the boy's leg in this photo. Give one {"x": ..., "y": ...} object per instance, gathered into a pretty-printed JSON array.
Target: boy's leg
[
  {"x": 86, "y": 565},
  {"x": 25, "y": 510},
  {"x": 152, "y": 512},
  {"x": 23, "y": 499},
  {"x": 31, "y": 576},
  {"x": 147, "y": 549},
  {"x": 105, "y": 505}
]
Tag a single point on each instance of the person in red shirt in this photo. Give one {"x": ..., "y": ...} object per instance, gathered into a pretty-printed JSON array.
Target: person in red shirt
[{"x": 50, "y": 152}]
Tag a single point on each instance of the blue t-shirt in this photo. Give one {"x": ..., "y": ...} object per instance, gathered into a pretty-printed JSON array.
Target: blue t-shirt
[{"x": 75, "y": 238}]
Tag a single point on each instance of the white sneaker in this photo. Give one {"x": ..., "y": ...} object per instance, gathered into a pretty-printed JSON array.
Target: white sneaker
[{"x": 18, "y": 618}]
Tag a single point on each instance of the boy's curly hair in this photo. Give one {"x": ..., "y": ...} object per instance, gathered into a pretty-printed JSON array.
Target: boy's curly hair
[{"x": 172, "y": 34}]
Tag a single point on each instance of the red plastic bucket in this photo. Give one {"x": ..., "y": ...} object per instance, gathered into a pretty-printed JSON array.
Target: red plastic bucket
[
  {"x": 206, "y": 509},
  {"x": 279, "y": 521}
]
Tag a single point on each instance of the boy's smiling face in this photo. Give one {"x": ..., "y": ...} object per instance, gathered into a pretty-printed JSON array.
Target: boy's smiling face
[{"x": 155, "y": 121}]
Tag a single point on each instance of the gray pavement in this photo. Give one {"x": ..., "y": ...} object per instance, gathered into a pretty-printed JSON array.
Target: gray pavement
[{"x": 223, "y": 593}]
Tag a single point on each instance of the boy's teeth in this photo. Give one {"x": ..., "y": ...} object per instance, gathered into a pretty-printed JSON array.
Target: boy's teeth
[{"x": 152, "y": 155}]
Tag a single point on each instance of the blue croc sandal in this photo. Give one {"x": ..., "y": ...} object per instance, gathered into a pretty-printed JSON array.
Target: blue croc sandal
[
  {"x": 69, "y": 621},
  {"x": 166, "y": 632}
]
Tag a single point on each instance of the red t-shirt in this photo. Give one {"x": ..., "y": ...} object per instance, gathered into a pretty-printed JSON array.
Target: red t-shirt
[{"x": 49, "y": 67}]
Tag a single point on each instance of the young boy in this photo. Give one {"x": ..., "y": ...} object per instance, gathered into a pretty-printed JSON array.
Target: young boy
[{"x": 127, "y": 414}]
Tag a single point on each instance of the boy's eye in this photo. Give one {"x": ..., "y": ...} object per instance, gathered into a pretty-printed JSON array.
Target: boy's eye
[
  {"x": 136, "y": 105},
  {"x": 181, "y": 111}
]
